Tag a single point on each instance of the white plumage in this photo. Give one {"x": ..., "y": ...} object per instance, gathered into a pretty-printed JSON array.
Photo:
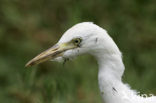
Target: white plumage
[{"x": 96, "y": 41}]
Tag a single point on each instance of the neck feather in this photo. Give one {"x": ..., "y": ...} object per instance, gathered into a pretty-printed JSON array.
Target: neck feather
[
  {"x": 111, "y": 64},
  {"x": 111, "y": 69}
]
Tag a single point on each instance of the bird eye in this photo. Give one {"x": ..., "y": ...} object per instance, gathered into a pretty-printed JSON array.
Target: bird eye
[{"x": 77, "y": 41}]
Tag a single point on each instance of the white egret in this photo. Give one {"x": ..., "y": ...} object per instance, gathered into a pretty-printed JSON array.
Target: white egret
[{"x": 89, "y": 38}]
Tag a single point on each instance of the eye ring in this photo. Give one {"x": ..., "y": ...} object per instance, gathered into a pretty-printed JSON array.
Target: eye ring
[{"x": 77, "y": 41}]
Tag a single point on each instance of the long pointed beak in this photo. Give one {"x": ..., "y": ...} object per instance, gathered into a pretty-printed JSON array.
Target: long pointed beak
[{"x": 53, "y": 52}]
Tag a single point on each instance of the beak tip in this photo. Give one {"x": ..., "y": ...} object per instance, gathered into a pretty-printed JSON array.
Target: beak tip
[
  {"x": 29, "y": 64},
  {"x": 53, "y": 52}
]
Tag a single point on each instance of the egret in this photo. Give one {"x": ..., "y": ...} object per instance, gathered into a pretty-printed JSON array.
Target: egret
[{"x": 89, "y": 38}]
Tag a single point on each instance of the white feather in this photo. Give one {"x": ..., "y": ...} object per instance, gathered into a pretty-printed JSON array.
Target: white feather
[{"x": 97, "y": 42}]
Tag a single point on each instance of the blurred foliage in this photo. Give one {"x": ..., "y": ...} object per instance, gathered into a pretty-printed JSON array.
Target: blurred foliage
[{"x": 28, "y": 27}]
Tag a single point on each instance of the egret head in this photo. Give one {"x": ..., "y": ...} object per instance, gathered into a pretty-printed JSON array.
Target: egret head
[{"x": 82, "y": 38}]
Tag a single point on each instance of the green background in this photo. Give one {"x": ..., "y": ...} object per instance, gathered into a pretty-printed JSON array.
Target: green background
[{"x": 28, "y": 27}]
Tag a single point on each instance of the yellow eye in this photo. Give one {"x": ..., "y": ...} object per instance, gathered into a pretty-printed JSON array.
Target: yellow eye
[{"x": 77, "y": 41}]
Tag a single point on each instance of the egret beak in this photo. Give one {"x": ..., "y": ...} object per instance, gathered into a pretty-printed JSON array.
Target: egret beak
[{"x": 53, "y": 52}]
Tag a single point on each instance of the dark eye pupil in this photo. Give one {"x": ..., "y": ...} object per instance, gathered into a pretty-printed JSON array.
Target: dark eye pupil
[{"x": 76, "y": 41}]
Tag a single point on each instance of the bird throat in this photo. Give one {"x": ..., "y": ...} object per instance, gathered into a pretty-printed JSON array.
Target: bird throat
[{"x": 110, "y": 73}]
